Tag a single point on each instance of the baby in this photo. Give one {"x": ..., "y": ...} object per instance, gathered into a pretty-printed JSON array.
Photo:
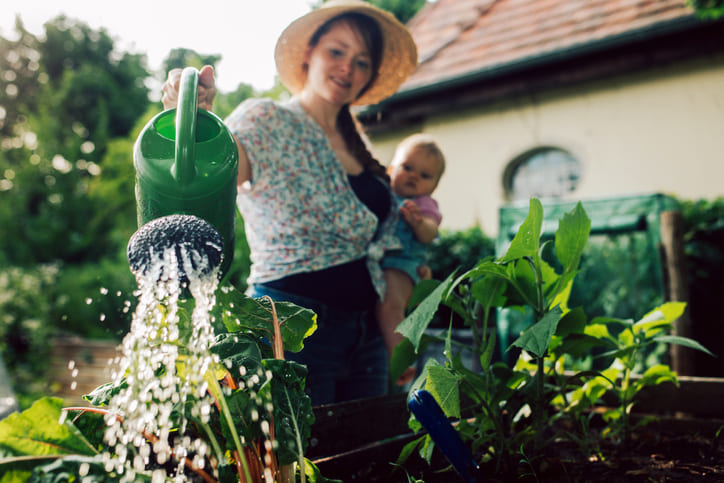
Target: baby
[{"x": 415, "y": 171}]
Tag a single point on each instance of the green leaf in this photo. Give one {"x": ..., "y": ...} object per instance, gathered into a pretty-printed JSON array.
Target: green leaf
[
  {"x": 657, "y": 374},
  {"x": 489, "y": 291},
  {"x": 537, "y": 337},
  {"x": 660, "y": 316},
  {"x": 402, "y": 357},
  {"x": 573, "y": 322},
  {"x": 314, "y": 475},
  {"x": 487, "y": 355},
  {"x": 293, "y": 415},
  {"x": 413, "y": 327},
  {"x": 237, "y": 351},
  {"x": 578, "y": 345},
  {"x": 684, "y": 341},
  {"x": 103, "y": 394},
  {"x": 443, "y": 385},
  {"x": 571, "y": 238},
  {"x": 38, "y": 431},
  {"x": 241, "y": 313},
  {"x": 527, "y": 241}
]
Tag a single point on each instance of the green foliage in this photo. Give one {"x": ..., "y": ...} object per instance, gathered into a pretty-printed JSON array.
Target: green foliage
[
  {"x": 627, "y": 347},
  {"x": 78, "y": 95},
  {"x": 615, "y": 276},
  {"x": 27, "y": 297},
  {"x": 44, "y": 444},
  {"x": 708, "y": 8},
  {"x": 458, "y": 250},
  {"x": 403, "y": 10},
  {"x": 95, "y": 299},
  {"x": 509, "y": 412},
  {"x": 93, "y": 93},
  {"x": 180, "y": 58}
]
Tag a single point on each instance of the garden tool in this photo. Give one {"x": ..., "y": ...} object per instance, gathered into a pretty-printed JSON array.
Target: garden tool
[
  {"x": 186, "y": 162},
  {"x": 427, "y": 411},
  {"x": 189, "y": 236}
]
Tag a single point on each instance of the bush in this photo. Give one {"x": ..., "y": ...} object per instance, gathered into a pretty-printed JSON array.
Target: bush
[
  {"x": 458, "y": 250},
  {"x": 27, "y": 296},
  {"x": 95, "y": 300}
]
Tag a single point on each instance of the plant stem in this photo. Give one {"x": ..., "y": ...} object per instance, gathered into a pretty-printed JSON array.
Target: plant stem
[{"x": 216, "y": 391}]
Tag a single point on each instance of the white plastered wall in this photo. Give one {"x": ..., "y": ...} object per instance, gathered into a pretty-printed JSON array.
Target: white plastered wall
[{"x": 658, "y": 132}]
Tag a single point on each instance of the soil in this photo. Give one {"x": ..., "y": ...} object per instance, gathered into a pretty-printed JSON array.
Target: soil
[
  {"x": 684, "y": 450},
  {"x": 652, "y": 455}
]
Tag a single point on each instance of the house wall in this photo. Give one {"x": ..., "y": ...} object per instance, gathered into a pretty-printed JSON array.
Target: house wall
[{"x": 660, "y": 131}]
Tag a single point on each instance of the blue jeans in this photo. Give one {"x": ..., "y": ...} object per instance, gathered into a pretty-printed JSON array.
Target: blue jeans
[{"x": 345, "y": 356}]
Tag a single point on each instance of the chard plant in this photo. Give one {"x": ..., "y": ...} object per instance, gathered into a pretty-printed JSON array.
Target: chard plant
[
  {"x": 507, "y": 413},
  {"x": 256, "y": 427}
]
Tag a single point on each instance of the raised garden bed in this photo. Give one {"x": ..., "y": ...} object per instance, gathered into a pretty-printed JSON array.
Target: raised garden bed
[{"x": 360, "y": 441}]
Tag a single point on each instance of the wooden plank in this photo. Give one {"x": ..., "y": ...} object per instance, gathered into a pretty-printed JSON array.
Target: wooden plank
[
  {"x": 78, "y": 366},
  {"x": 344, "y": 426},
  {"x": 677, "y": 288},
  {"x": 699, "y": 396}
]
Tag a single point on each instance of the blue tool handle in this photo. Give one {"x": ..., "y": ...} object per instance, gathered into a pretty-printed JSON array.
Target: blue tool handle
[{"x": 431, "y": 416}]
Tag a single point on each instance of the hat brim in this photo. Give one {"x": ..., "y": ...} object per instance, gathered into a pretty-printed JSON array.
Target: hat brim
[{"x": 399, "y": 56}]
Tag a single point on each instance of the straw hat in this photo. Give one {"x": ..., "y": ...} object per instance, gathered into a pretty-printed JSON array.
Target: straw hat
[{"x": 399, "y": 56}]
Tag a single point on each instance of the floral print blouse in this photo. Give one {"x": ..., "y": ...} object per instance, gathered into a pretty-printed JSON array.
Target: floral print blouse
[{"x": 299, "y": 210}]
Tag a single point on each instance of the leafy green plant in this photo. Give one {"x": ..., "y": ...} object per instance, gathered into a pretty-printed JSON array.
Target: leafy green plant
[
  {"x": 626, "y": 349},
  {"x": 261, "y": 424},
  {"x": 507, "y": 413}
]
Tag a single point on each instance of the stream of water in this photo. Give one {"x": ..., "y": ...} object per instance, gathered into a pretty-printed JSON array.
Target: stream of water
[{"x": 163, "y": 365}]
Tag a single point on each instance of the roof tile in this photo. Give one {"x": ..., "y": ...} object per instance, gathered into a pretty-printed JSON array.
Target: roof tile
[{"x": 458, "y": 37}]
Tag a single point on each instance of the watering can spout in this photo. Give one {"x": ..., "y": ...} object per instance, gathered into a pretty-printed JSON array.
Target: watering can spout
[
  {"x": 197, "y": 246},
  {"x": 186, "y": 162}
]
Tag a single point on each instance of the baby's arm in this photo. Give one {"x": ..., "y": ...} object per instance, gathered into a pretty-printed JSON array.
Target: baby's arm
[{"x": 424, "y": 227}]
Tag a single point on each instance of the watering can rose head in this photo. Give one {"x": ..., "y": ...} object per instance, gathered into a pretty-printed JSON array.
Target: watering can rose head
[{"x": 195, "y": 244}]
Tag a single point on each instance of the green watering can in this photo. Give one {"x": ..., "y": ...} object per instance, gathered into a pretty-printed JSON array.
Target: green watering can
[{"x": 186, "y": 162}]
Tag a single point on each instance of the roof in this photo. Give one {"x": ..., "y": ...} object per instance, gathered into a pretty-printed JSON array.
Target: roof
[{"x": 457, "y": 38}]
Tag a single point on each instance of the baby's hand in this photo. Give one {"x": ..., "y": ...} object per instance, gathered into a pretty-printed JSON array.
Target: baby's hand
[{"x": 410, "y": 212}]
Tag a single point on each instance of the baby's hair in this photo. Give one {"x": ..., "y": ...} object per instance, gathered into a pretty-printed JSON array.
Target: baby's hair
[{"x": 422, "y": 141}]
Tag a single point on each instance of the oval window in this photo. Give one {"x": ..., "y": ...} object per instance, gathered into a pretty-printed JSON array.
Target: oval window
[{"x": 542, "y": 173}]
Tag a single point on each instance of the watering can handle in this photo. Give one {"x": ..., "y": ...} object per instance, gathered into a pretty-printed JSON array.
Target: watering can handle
[{"x": 184, "y": 168}]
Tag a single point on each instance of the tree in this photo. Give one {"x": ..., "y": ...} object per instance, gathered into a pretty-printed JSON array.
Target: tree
[
  {"x": 708, "y": 8},
  {"x": 180, "y": 58},
  {"x": 93, "y": 93},
  {"x": 403, "y": 10},
  {"x": 70, "y": 95}
]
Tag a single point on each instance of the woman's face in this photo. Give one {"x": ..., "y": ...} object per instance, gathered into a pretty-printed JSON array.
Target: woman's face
[{"x": 339, "y": 65}]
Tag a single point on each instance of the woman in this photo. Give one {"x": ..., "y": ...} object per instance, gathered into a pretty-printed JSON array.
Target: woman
[{"x": 316, "y": 204}]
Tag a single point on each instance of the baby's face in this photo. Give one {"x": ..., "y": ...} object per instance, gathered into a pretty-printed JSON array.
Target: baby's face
[{"x": 416, "y": 175}]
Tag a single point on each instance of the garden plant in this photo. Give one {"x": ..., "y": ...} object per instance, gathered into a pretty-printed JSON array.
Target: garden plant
[
  {"x": 203, "y": 393},
  {"x": 508, "y": 413}
]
